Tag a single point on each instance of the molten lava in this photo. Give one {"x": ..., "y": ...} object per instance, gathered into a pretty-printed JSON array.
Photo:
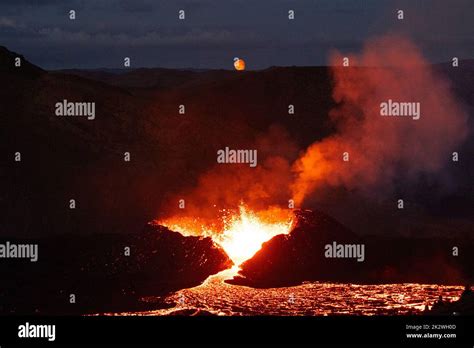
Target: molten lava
[{"x": 240, "y": 233}]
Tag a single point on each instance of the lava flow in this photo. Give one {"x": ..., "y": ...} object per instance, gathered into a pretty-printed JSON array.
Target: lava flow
[{"x": 240, "y": 233}]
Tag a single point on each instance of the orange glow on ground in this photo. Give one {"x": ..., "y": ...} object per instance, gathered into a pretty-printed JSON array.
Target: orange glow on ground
[{"x": 240, "y": 234}]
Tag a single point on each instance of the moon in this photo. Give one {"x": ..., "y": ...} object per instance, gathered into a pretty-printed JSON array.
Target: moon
[{"x": 239, "y": 64}]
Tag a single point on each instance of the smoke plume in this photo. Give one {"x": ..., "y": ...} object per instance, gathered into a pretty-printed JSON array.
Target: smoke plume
[{"x": 380, "y": 149}]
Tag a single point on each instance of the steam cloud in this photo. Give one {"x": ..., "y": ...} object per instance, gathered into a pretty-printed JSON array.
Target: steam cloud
[{"x": 382, "y": 149}]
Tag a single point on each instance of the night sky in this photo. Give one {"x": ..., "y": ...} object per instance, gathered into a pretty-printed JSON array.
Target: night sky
[{"x": 214, "y": 32}]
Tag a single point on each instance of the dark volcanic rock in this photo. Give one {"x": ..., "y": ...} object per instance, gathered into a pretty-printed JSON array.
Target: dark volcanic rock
[
  {"x": 149, "y": 78},
  {"x": 300, "y": 256},
  {"x": 463, "y": 306},
  {"x": 7, "y": 64},
  {"x": 291, "y": 259},
  {"x": 96, "y": 270}
]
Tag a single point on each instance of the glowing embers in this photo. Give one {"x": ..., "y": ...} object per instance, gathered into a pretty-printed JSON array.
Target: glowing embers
[{"x": 240, "y": 233}]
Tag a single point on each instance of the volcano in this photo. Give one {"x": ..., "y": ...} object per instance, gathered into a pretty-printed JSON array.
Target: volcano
[
  {"x": 124, "y": 269},
  {"x": 64, "y": 158}
]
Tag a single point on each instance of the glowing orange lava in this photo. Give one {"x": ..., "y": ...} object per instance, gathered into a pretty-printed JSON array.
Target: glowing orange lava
[{"x": 240, "y": 234}]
